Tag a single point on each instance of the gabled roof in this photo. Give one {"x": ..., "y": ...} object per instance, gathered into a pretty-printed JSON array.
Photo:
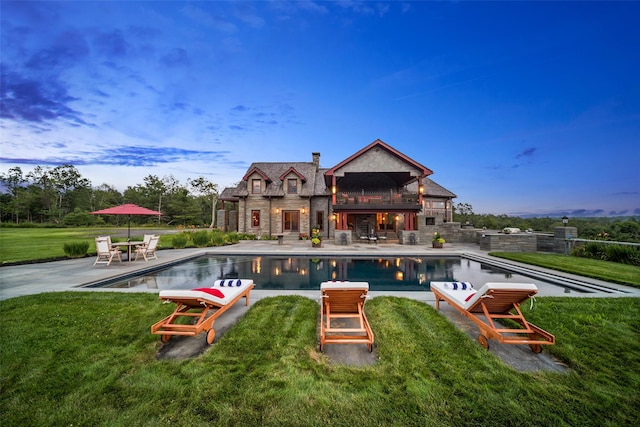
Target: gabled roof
[
  {"x": 380, "y": 145},
  {"x": 274, "y": 172},
  {"x": 257, "y": 170},
  {"x": 295, "y": 172}
]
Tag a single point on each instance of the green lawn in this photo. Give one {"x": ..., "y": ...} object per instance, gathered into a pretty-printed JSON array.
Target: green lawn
[
  {"x": 42, "y": 244},
  {"x": 604, "y": 270},
  {"x": 89, "y": 359}
]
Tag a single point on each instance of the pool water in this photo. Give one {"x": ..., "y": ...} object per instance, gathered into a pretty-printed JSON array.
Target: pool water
[{"x": 303, "y": 273}]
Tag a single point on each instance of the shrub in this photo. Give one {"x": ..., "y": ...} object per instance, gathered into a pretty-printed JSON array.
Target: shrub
[
  {"x": 608, "y": 252},
  {"x": 247, "y": 236},
  {"x": 201, "y": 239},
  {"x": 623, "y": 254},
  {"x": 76, "y": 249},
  {"x": 593, "y": 250},
  {"x": 233, "y": 237},
  {"x": 218, "y": 239},
  {"x": 179, "y": 241},
  {"x": 78, "y": 218}
]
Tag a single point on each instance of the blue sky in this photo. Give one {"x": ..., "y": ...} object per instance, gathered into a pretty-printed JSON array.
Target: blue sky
[{"x": 517, "y": 107}]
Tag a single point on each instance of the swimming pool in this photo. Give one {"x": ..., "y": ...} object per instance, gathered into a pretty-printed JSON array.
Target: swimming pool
[{"x": 305, "y": 273}]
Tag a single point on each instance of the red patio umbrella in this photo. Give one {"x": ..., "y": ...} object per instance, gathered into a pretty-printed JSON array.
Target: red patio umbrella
[{"x": 127, "y": 209}]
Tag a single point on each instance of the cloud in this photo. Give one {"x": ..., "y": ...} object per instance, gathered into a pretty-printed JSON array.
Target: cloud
[
  {"x": 176, "y": 57},
  {"x": 618, "y": 213},
  {"x": 364, "y": 8},
  {"x": 123, "y": 156},
  {"x": 29, "y": 100},
  {"x": 67, "y": 50},
  {"x": 203, "y": 17},
  {"x": 577, "y": 213},
  {"x": 112, "y": 44},
  {"x": 529, "y": 152}
]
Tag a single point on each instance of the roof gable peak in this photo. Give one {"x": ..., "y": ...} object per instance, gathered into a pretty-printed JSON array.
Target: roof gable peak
[{"x": 295, "y": 172}]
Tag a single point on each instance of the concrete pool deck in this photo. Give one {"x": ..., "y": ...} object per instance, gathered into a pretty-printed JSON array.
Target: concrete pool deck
[{"x": 72, "y": 275}]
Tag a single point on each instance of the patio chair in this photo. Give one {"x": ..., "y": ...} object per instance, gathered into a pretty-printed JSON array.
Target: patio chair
[
  {"x": 201, "y": 307},
  {"x": 147, "y": 238},
  {"x": 148, "y": 251},
  {"x": 342, "y": 317},
  {"x": 105, "y": 252},
  {"x": 492, "y": 302}
]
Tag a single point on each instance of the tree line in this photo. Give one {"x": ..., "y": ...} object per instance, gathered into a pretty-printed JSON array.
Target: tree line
[
  {"x": 620, "y": 229},
  {"x": 61, "y": 195}
]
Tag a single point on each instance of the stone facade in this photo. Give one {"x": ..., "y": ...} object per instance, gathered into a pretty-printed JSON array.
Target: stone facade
[{"x": 289, "y": 199}]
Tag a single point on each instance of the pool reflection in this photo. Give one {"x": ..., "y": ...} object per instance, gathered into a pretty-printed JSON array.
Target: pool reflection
[{"x": 303, "y": 273}]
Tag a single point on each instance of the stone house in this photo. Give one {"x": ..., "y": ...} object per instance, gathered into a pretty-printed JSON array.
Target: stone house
[{"x": 377, "y": 191}]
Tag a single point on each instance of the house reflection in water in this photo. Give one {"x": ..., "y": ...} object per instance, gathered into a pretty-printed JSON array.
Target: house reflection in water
[
  {"x": 394, "y": 274},
  {"x": 294, "y": 273}
]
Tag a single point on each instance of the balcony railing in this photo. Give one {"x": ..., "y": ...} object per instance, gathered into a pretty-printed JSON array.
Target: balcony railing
[{"x": 376, "y": 198}]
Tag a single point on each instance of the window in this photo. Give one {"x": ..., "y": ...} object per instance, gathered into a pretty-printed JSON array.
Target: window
[
  {"x": 438, "y": 205},
  {"x": 292, "y": 186},
  {"x": 320, "y": 220},
  {"x": 430, "y": 221},
  {"x": 255, "y": 218},
  {"x": 256, "y": 186},
  {"x": 291, "y": 221}
]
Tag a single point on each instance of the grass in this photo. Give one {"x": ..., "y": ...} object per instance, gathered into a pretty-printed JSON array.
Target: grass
[
  {"x": 42, "y": 244},
  {"x": 89, "y": 359},
  {"x": 604, "y": 270}
]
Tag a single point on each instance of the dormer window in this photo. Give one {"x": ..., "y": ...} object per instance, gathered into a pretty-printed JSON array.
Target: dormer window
[
  {"x": 292, "y": 186},
  {"x": 256, "y": 186}
]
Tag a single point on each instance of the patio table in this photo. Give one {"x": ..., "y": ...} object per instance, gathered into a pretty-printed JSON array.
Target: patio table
[{"x": 129, "y": 245}]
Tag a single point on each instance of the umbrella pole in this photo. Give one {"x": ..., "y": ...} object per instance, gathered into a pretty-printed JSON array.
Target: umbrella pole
[{"x": 129, "y": 230}]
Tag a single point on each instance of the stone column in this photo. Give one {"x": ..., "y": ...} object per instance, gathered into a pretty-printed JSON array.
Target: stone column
[{"x": 562, "y": 237}]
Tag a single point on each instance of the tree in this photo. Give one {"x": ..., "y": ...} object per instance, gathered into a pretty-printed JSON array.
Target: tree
[
  {"x": 14, "y": 183},
  {"x": 105, "y": 196},
  {"x": 207, "y": 189}
]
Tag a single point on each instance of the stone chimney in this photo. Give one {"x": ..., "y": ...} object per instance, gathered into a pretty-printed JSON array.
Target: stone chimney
[{"x": 316, "y": 159}]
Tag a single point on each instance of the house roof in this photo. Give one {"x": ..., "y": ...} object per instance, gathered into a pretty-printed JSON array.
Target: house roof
[
  {"x": 275, "y": 172},
  {"x": 227, "y": 195},
  {"x": 316, "y": 181},
  {"x": 377, "y": 145},
  {"x": 432, "y": 189}
]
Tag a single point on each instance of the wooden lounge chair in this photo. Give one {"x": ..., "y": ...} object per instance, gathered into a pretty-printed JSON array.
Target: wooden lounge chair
[
  {"x": 106, "y": 252},
  {"x": 342, "y": 318},
  {"x": 495, "y": 301},
  {"x": 198, "y": 309},
  {"x": 148, "y": 251}
]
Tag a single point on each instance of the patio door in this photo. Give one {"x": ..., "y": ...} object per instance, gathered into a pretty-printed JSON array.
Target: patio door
[{"x": 291, "y": 221}]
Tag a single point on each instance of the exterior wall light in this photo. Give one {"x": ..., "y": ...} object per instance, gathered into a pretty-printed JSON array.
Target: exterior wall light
[
  {"x": 421, "y": 189},
  {"x": 303, "y": 211},
  {"x": 333, "y": 190}
]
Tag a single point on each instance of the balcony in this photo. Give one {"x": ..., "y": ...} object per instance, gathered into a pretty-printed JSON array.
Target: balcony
[{"x": 387, "y": 201}]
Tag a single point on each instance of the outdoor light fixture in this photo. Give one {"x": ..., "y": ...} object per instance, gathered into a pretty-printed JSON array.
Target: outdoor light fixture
[
  {"x": 277, "y": 210},
  {"x": 421, "y": 189},
  {"x": 333, "y": 189},
  {"x": 303, "y": 211},
  {"x": 565, "y": 220}
]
